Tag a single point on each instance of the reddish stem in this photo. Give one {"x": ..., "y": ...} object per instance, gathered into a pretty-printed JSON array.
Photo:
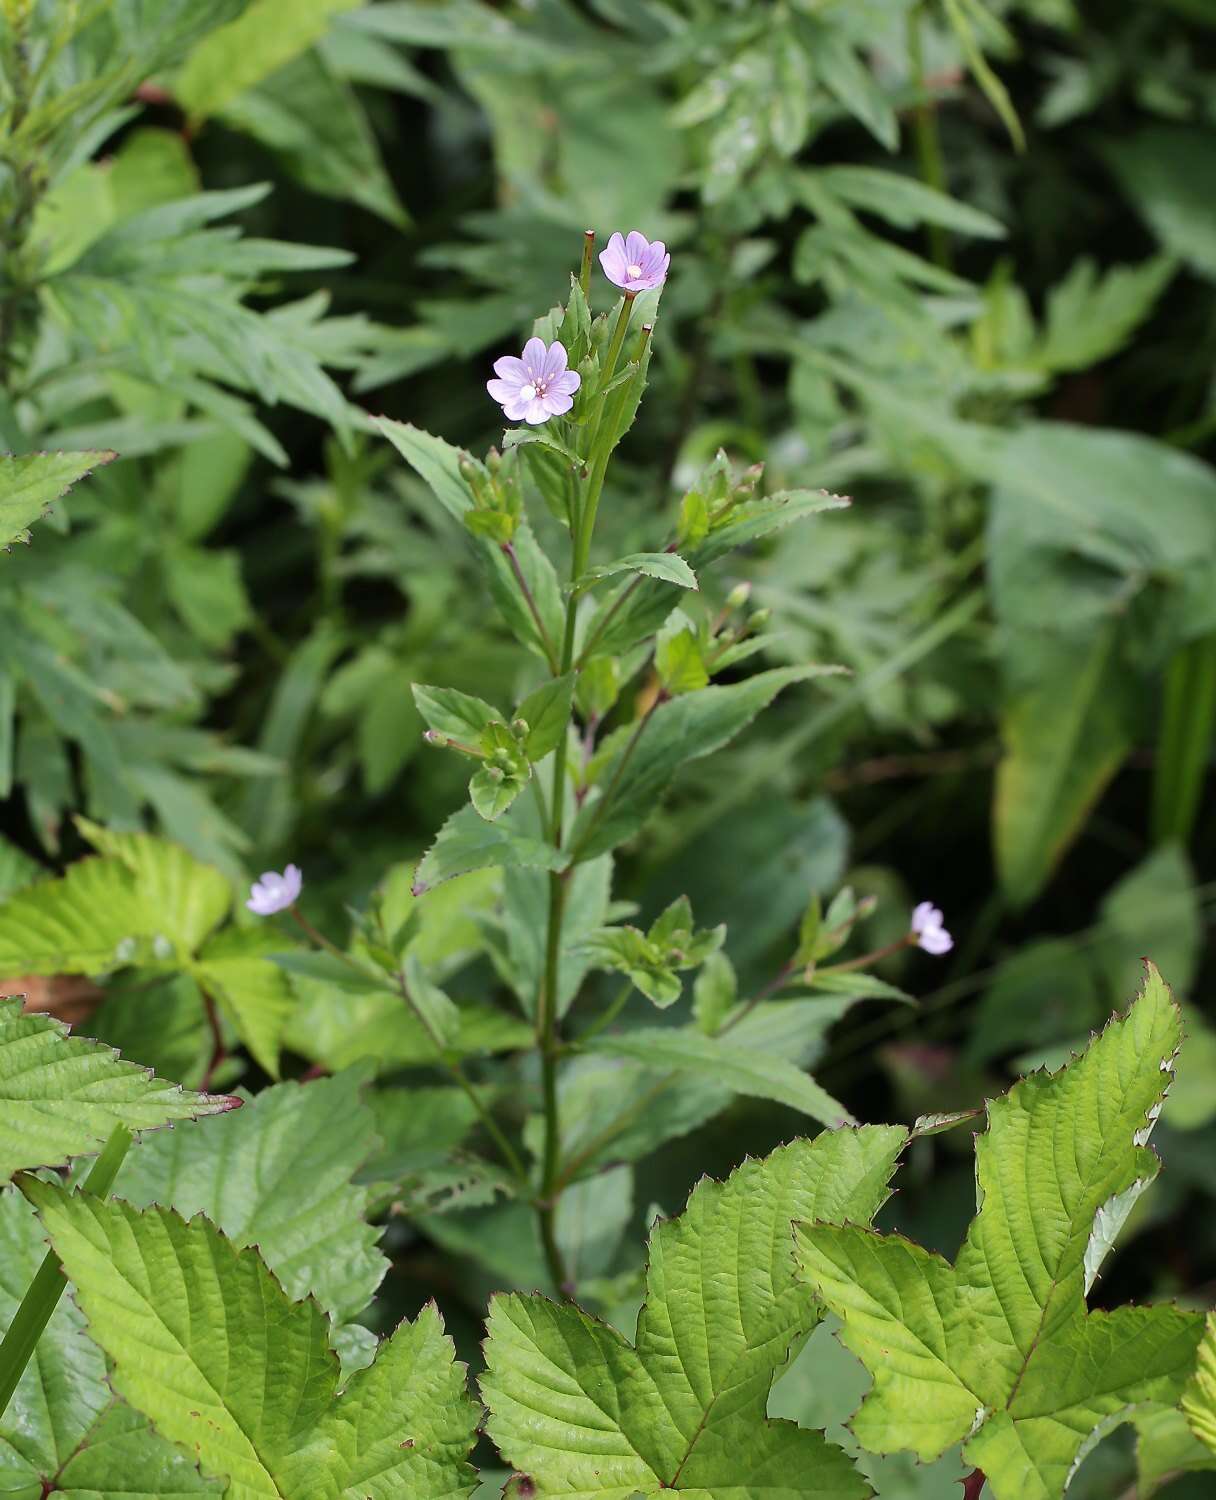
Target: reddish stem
[
  {"x": 973, "y": 1484},
  {"x": 219, "y": 1052}
]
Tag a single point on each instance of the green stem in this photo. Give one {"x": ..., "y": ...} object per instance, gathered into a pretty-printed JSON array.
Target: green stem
[
  {"x": 1188, "y": 723},
  {"x": 44, "y": 1291},
  {"x": 584, "y": 271},
  {"x": 928, "y": 139},
  {"x": 601, "y": 1023}
]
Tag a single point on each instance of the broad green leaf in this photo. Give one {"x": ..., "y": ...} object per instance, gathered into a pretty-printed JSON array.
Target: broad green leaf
[
  {"x": 631, "y": 780},
  {"x": 1199, "y": 1398},
  {"x": 1162, "y": 169},
  {"x": 17, "y": 869},
  {"x": 244, "y": 1173},
  {"x": 582, "y": 1412},
  {"x": 31, "y": 482},
  {"x": 63, "y": 1432},
  {"x": 743, "y": 1070},
  {"x": 665, "y": 566},
  {"x": 61, "y": 1095},
  {"x": 206, "y": 1343},
  {"x": 265, "y": 37},
  {"x": 1166, "y": 1447},
  {"x": 315, "y": 123},
  {"x": 467, "y": 842},
  {"x": 998, "y": 1350},
  {"x": 236, "y": 970},
  {"x": 189, "y": 899}
]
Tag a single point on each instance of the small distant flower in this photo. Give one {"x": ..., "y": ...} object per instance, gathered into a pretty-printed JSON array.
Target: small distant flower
[
  {"x": 634, "y": 263},
  {"x": 537, "y": 386},
  {"x": 928, "y": 930},
  {"x": 275, "y": 892}
]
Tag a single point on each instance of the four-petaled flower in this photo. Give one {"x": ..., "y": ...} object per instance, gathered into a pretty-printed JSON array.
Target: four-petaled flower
[
  {"x": 634, "y": 263},
  {"x": 536, "y": 386},
  {"x": 928, "y": 930},
  {"x": 275, "y": 892}
]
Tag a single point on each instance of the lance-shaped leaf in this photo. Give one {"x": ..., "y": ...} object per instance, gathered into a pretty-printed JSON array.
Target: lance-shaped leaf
[
  {"x": 467, "y": 842},
  {"x": 582, "y": 1412},
  {"x": 205, "y": 1342},
  {"x": 29, "y": 483},
  {"x": 1199, "y": 1399},
  {"x": 999, "y": 1349},
  {"x": 638, "y": 762},
  {"x": 61, "y": 1095}
]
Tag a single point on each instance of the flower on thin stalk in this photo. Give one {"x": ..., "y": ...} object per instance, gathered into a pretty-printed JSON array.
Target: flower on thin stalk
[
  {"x": 275, "y": 892},
  {"x": 635, "y": 264},
  {"x": 928, "y": 931},
  {"x": 536, "y": 386}
]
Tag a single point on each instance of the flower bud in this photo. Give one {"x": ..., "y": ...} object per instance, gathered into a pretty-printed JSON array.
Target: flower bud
[
  {"x": 433, "y": 737},
  {"x": 738, "y": 596},
  {"x": 760, "y": 619}
]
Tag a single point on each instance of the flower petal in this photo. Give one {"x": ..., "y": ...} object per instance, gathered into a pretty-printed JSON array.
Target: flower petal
[
  {"x": 502, "y": 390},
  {"x": 556, "y": 360},
  {"x": 636, "y": 248},
  {"x": 515, "y": 408},
  {"x": 511, "y": 368},
  {"x": 566, "y": 383},
  {"x": 613, "y": 262},
  {"x": 537, "y": 412},
  {"x": 534, "y": 358},
  {"x": 556, "y": 402}
]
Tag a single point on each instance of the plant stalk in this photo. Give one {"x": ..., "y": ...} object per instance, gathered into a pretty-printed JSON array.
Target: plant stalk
[{"x": 44, "y": 1291}]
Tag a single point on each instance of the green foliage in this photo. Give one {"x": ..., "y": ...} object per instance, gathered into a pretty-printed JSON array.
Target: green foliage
[
  {"x": 61, "y": 1095},
  {"x": 29, "y": 484},
  {"x": 1199, "y": 1398},
  {"x": 577, "y": 1408},
  {"x": 998, "y": 1349},
  {"x": 264, "y": 1413}
]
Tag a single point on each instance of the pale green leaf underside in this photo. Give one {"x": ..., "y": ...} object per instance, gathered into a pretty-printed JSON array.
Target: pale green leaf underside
[
  {"x": 206, "y": 1343},
  {"x": 759, "y": 1075},
  {"x": 61, "y": 1095},
  {"x": 244, "y": 1173},
  {"x": 999, "y": 1349},
  {"x": 1199, "y": 1399},
  {"x": 586, "y": 1414},
  {"x": 29, "y": 483}
]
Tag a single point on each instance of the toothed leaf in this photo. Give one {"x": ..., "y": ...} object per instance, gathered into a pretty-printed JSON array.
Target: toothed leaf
[
  {"x": 998, "y": 1350},
  {"x": 582, "y": 1412}
]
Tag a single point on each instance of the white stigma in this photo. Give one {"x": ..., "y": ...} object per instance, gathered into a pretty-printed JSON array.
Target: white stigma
[
  {"x": 633, "y": 272},
  {"x": 530, "y": 392}
]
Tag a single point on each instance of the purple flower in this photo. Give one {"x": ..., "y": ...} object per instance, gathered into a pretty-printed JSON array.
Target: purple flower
[
  {"x": 928, "y": 930},
  {"x": 275, "y": 892},
  {"x": 537, "y": 386},
  {"x": 634, "y": 263}
]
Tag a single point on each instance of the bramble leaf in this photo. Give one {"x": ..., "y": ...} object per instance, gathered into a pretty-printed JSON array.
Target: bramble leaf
[
  {"x": 168, "y": 1300},
  {"x": 998, "y": 1350},
  {"x": 1199, "y": 1398},
  {"x": 244, "y": 1173},
  {"x": 582, "y": 1412},
  {"x": 61, "y": 1095},
  {"x": 30, "y": 482}
]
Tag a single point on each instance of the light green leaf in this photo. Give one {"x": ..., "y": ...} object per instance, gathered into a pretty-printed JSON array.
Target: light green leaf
[
  {"x": 546, "y": 712},
  {"x": 760, "y": 1075},
  {"x": 467, "y": 842},
  {"x": 451, "y": 712},
  {"x": 630, "y": 781},
  {"x": 666, "y": 566},
  {"x": 186, "y": 898},
  {"x": 998, "y": 1350},
  {"x": 236, "y": 970},
  {"x": 1199, "y": 1398},
  {"x": 206, "y": 1343},
  {"x": 268, "y": 35},
  {"x": 434, "y": 1009},
  {"x": 63, "y": 1432},
  {"x": 1166, "y": 1447},
  {"x": 906, "y": 201},
  {"x": 61, "y": 1095},
  {"x": 29, "y": 484},
  {"x": 584, "y": 1413},
  {"x": 244, "y": 1173}
]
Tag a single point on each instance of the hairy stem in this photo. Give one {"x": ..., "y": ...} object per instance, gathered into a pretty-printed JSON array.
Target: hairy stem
[{"x": 44, "y": 1291}]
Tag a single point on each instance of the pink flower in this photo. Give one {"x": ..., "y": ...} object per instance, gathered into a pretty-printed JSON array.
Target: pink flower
[
  {"x": 275, "y": 892},
  {"x": 537, "y": 386},
  {"x": 635, "y": 263},
  {"x": 928, "y": 930}
]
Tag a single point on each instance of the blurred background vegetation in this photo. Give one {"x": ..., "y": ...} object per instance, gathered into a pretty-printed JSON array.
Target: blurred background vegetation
[{"x": 954, "y": 259}]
